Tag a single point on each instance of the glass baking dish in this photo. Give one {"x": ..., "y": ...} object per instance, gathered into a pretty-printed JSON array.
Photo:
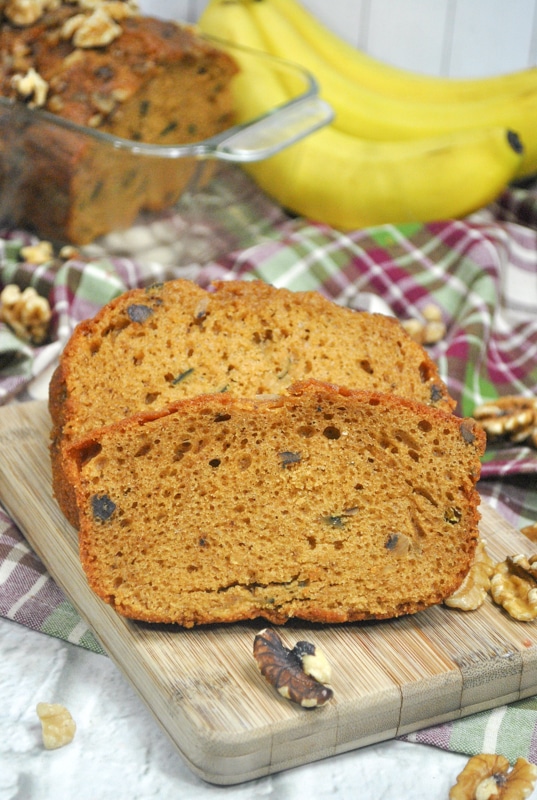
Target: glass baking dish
[{"x": 71, "y": 184}]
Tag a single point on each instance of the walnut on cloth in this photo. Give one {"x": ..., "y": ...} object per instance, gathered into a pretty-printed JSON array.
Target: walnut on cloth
[
  {"x": 27, "y": 313},
  {"x": 429, "y": 330},
  {"x": 512, "y": 418}
]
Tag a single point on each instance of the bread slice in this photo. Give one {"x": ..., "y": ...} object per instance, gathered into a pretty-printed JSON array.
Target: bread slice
[
  {"x": 151, "y": 347},
  {"x": 323, "y": 504}
]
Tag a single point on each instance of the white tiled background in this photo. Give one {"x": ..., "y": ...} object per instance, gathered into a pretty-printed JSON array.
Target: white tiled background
[{"x": 438, "y": 37}]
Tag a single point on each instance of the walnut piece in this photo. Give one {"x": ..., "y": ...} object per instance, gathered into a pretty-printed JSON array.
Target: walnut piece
[
  {"x": 313, "y": 661},
  {"x": 25, "y": 312},
  {"x": 26, "y": 12},
  {"x": 31, "y": 87},
  {"x": 96, "y": 30},
  {"x": 530, "y": 531},
  {"x": 57, "y": 725},
  {"x": 298, "y": 674},
  {"x": 429, "y": 330},
  {"x": 489, "y": 777},
  {"x": 514, "y": 587},
  {"x": 511, "y": 419},
  {"x": 474, "y": 588},
  {"x": 39, "y": 253}
]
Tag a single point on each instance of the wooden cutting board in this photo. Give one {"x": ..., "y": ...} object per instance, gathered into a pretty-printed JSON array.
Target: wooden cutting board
[{"x": 203, "y": 686}]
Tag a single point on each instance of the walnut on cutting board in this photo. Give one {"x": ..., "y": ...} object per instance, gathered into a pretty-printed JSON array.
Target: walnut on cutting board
[
  {"x": 514, "y": 586},
  {"x": 474, "y": 588},
  {"x": 530, "y": 531},
  {"x": 298, "y": 674}
]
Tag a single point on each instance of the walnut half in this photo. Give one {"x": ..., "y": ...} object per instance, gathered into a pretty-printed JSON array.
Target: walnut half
[
  {"x": 512, "y": 418},
  {"x": 489, "y": 777},
  {"x": 514, "y": 586},
  {"x": 298, "y": 674},
  {"x": 27, "y": 313},
  {"x": 474, "y": 588}
]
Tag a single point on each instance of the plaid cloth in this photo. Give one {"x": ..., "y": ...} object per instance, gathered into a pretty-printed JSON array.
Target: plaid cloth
[{"x": 481, "y": 272}]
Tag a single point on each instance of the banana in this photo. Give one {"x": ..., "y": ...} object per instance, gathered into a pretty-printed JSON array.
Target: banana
[
  {"x": 260, "y": 86},
  {"x": 368, "y": 114},
  {"x": 347, "y": 182},
  {"x": 385, "y": 78}
]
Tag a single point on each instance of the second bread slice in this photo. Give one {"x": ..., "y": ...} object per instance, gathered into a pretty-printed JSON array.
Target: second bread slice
[{"x": 324, "y": 504}]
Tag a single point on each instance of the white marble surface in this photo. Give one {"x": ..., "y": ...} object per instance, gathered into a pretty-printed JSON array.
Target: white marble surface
[{"x": 119, "y": 752}]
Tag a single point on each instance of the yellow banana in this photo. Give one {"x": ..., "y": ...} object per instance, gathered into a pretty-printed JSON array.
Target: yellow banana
[
  {"x": 347, "y": 183},
  {"x": 260, "y": 86},
  {"x": 370, "y": 115},
  {"x": 385, "y": 78},
  {"x": 350, "y": 183}
]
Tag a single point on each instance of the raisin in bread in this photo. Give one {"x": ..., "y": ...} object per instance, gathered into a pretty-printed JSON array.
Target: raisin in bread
[
  {"x": 323, "y": 504},
  {"x": 103, "y": 66},
  {"x": 152, "y": 346}
]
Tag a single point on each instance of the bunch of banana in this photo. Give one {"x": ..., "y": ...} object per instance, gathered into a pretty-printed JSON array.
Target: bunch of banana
[
  {"x": 382, "y": 77},
  {"x": 367, "y": 167}
]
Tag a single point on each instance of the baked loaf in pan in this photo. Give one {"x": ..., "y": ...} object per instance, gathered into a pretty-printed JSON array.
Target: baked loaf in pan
[
  {"x": 151, "y": 347},
  {"x": 112, "y": 70},
  {"x": 323, "y": 504}
]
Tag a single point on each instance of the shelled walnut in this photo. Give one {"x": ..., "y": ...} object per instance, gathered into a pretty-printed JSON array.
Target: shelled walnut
[
  {"x": 298, "y": 674},
  {"x": 27, "y": 313},
  {"x": 474, "y": 588},
  {"x": 428, "y": 330},
  {"x": 58, "y": 726},
  {"x": 512, "y": 418},
  {"x": 40, "y": 253},
  {"x": 490, "y": 777},
  {"x": 514, "y": 586},
  {"x": 31, "y": 87},
  {"x": 530, "y": 531}
]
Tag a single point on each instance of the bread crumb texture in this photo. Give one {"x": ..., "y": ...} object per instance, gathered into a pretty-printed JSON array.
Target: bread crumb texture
[
  {"x": 325, "y": 504},
  {"x": 153, "y": 346}
]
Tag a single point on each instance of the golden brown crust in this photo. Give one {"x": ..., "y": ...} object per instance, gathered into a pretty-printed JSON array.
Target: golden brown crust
[{"x": 279, "y": 508}]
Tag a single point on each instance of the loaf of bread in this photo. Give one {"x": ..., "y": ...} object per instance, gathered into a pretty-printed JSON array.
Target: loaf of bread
[
  {"x": 322, "y": 503},
  {"x": 150, "y": 347},
  {"x": 111, "y": 70}
]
